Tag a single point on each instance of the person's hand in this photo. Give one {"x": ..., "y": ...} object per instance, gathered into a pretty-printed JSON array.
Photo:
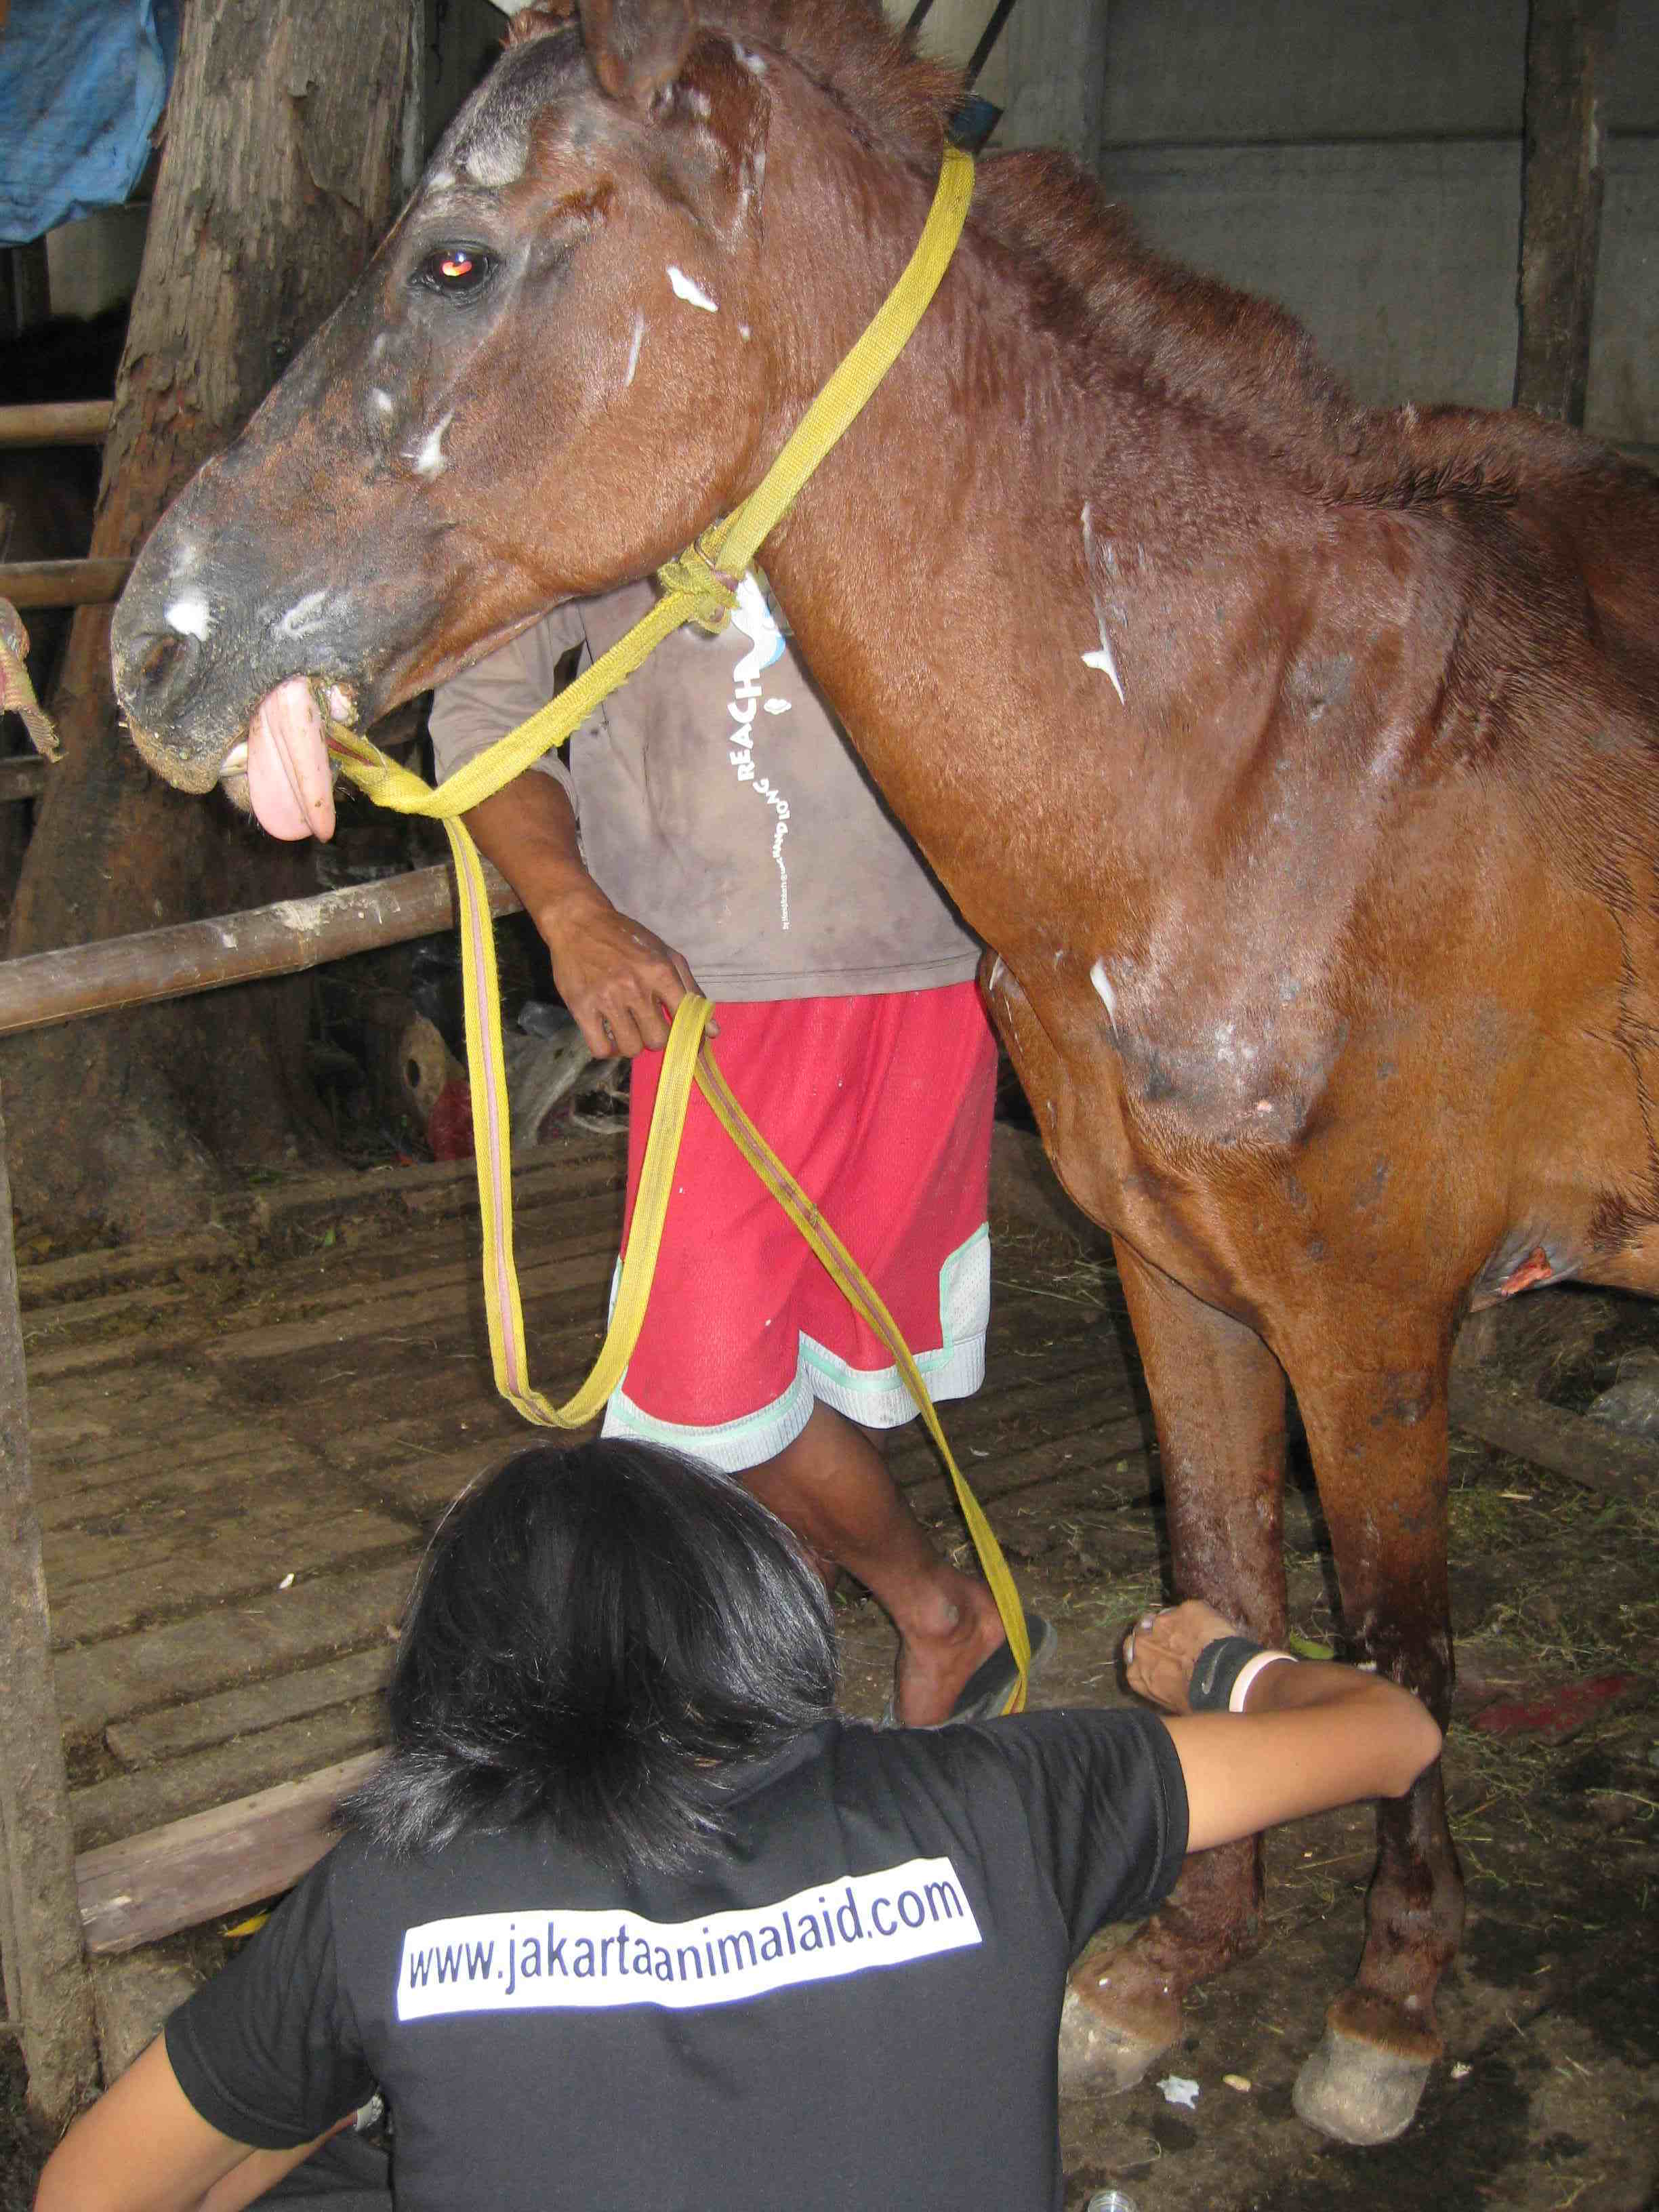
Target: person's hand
[
  {"x": 620, "y": 981},
  {"x": 1162, "y": 1649}
]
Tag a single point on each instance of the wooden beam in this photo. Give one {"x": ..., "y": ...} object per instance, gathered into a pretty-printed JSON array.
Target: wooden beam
[
  {"x": 1569, "y": 53},
  {"x": 193, "y": 1870},
  {"x": 62, "y": 583},
  {"x": 57, "y": 422},
  {"x": 1590, "y": 1453},
  {"x": 45, "y": 988},
  {"x": 22, "y": 777},
  {"x": 48, "y": 1989}
]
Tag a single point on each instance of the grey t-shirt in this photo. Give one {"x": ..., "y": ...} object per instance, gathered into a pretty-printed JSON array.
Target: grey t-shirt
[{"x": 720, "y": 805}]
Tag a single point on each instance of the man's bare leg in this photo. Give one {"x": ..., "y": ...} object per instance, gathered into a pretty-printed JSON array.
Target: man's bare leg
[{"x": 832, "y": 1487}]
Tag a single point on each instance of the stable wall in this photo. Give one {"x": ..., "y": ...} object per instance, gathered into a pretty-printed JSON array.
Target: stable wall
[{"x": 1360, "y": 162}]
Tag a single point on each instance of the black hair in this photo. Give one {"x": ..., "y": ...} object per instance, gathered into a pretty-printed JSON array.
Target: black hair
[{"x": 599, "y": 1635}]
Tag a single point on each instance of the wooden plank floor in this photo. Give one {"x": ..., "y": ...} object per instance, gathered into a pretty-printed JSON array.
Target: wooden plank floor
[{"x": 242, "y": 1437}]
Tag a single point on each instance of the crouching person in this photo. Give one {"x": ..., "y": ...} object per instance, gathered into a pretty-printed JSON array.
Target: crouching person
[{"x": 629, "y": 1918}]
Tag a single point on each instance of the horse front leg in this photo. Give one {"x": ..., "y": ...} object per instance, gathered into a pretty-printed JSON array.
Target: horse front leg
[
  {"x": 1218, "y": 1399},
  {"x": 1375, "y": 1419}
]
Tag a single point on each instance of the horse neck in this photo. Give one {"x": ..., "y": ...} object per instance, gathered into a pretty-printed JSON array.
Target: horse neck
[{"x": 913, "y": 562}]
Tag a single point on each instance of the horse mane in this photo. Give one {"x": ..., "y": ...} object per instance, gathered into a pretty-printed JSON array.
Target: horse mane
[{"x": 1180, "y": 337}]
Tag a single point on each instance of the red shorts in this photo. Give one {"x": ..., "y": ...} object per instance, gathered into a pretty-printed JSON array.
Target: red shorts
[{"x": 882, "y": 1106}]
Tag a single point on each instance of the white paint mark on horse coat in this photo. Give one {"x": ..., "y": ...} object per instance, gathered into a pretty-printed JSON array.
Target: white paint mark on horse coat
[
  {"x": 190, "y": 615},
  {"x": 429, "y": 458},
  {"x": 383, "y": 400},
  {"x": 743, "y": 332},
  {"x": 305, "y": 615},
  {"x": 687, "y": 288},
  {"x": 752, "y": 63},
  {"x": 1102, "y": 983},
  {"x": 1104, "y": 660},
  {"x": 779, "y": 706},
  {"x": 634, "y": 350}
]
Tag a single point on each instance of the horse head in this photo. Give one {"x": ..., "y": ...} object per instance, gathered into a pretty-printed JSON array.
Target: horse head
[{"x": 578, "y": 272}]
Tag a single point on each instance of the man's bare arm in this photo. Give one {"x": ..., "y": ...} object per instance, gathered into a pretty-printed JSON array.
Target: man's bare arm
[{"x": 619, "y": 980}]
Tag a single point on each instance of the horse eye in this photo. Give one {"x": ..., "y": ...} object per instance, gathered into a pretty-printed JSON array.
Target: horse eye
[{"x": 456, "y": 270}]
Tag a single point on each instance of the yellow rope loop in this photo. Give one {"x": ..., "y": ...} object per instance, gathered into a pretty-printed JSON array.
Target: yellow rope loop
[{"x": 692, "y": 575}]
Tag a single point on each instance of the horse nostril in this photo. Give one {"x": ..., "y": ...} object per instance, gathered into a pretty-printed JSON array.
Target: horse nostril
[{"x": 159, "y": 658}]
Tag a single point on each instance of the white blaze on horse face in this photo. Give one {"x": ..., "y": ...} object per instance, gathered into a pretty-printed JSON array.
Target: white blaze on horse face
[
  {"x": 428, "y": 458},
  {"x": 190, "y": 615},
  {"x": 1102, "y": 983},
  {"x": 634, "y": 350},
  {"x": 687, "y": 288}
]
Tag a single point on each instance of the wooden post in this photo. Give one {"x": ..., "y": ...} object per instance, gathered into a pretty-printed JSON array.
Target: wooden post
[
  {"x": 47, "y": 1976},
  {"x": 1570, "y": 50}
]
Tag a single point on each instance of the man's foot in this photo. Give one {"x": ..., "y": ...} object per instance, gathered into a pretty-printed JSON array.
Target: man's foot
[{"x": 933, "y": 1669}]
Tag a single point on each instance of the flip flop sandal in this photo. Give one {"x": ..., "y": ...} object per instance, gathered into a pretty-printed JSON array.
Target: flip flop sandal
[{"x": 986, "y": 1690}]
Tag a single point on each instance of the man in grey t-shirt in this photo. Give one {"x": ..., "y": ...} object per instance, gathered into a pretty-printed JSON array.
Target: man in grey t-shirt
[{"x": 712, "y": 831}]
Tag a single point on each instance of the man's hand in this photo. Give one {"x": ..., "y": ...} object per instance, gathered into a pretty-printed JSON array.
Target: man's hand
[
  {"x": 620, "y": 981},
  {"x": 1161, "y": 1650}
]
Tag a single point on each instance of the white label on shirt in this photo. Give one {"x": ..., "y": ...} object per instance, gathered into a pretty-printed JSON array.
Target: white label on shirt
[{"x": 538, "y": 1961}]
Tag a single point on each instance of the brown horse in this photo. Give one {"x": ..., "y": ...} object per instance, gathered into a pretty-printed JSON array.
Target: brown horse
[{"x": 1295, "y": 761}]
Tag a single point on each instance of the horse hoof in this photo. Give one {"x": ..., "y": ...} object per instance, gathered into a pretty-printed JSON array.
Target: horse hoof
[
  {"x": 1105, "y": 2056},
  {"x": 1358, "y": 2090}
]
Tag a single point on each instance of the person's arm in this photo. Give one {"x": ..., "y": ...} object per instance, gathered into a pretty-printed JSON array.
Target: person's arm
[
  {"x": 144, "y": 2148},
  {"x": 1309, "y": 1736},
  {"x": 621, "y": 981}
]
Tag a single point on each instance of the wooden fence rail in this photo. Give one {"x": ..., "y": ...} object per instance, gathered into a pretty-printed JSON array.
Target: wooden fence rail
[
  {"x": 45, "y": 988},
  {"x": 57, "y": 422},
  {"x": 62, "y": 583}
]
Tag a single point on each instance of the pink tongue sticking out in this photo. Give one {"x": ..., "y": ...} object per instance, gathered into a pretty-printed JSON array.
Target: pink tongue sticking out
[{"x": 290, "y": 784}]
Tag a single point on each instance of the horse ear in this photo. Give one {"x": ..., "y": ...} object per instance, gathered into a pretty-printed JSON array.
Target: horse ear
[{"x": 636, "y": 47}]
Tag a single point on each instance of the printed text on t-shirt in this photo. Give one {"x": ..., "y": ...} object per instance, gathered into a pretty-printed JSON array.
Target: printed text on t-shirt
[
  {"x": 538, "y": 1960},
  {"x": 754, "y": 617}
]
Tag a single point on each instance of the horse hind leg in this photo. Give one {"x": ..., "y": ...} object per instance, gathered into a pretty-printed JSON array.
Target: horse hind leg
[
  {"x": 1375, "y": 1419},
  {"x": 1218, "y": 1399}
]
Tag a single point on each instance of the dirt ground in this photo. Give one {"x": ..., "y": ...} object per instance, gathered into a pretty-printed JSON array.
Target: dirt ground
[{"x": 1549, "y": 2096}]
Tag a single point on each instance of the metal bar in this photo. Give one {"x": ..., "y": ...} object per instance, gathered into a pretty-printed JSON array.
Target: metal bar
[
  {"x": 45, "y": 988},
  {"x": 919, "y": 16},
  {"x": 62, "y": 583},
  {"x": 53, "y": 1990},
  {"x": 57, "y": 422},
  {"x": 992, "y": 33}
]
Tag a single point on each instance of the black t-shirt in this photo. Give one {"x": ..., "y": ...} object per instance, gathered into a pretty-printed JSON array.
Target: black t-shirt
[{"x": 854, "y": 2002}]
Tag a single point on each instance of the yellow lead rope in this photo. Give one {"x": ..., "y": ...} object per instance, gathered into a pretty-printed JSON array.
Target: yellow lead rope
[{"x": 698, "y": 588}]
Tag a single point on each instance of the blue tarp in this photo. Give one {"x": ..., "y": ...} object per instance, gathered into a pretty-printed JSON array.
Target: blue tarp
[{"x": 82, "y": 85}]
